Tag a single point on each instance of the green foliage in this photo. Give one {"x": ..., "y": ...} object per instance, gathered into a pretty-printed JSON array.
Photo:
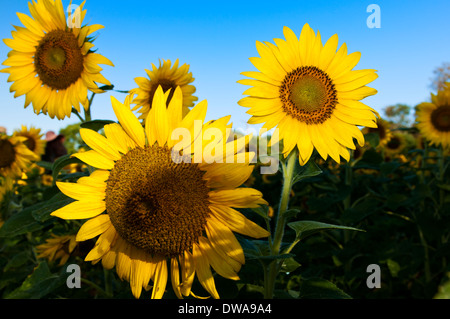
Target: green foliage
[{"x": 394, "y": 213}]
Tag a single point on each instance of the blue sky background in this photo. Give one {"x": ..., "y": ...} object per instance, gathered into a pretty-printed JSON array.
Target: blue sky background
[{"x": 216, "y": 38}]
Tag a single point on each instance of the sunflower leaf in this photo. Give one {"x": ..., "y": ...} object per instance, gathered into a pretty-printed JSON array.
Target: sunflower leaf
[
  {"x": 39, "y": 284},
  {"x": 96, "y": 125},
  {"x": 42, "y": 211},
  {"x": 317, "y": 288},
  {"x": 309, "y": 170},
  {"x": 305, "y": 228},
  {"x": 62, "y": 162}
]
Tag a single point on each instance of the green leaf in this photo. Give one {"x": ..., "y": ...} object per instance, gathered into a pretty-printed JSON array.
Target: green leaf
[
  {"x": 289, "y": 265},
  {"x": 96, "y": 125},
  {"x": 306, "y": 228},
  {"x": 42, "y": 211},
  {"x": 62, "y": 162},
  {"x": 33, "y": 217},
  {"x": 444, "y": 187},
  {"x": 259, "y": 249},
  {"x": 444, "y": 288},
  {"x": 20, "y": 223},
  {"x": 394, "y": 267},
  {"x": 372, "y": 138},
  {"x": 317, "y": 288},
  {"x": 17, "y": 260},
  {"x": 309, "y": 170},
  {"x": 44, "y": 164},
  {"x": 40, "y": 283},
  {"x": 106, "y": 87}
]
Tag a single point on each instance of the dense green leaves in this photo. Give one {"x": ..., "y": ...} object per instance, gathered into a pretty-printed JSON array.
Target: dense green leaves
[{"x": 40, "y": 283}]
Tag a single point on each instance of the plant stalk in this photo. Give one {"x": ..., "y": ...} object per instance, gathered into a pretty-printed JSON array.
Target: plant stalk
[{"x": 288, "y": 176}]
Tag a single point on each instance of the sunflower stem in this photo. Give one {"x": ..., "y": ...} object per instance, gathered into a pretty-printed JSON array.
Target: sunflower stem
[
  {"x": 107, "y": 276},
  {"x": 288, "y": 176},
  {"x": 87, "y": 112}
]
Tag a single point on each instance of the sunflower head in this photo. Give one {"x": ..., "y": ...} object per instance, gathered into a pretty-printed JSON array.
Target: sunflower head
[
  {"x": 382, "y": 130},
  {"x": 433, "y": 118},
  {"x": 398, "y": 144},
  {"x": 158, "y": 211},
  {"x": 311, "y": 93},
  {"x": 51, "y": 62},
  {"x": 33, "y": 140},
  {"x": 168, "y": 77},
  {"x": 57, "y": 247},
  {"x": 15, "y": 156}
]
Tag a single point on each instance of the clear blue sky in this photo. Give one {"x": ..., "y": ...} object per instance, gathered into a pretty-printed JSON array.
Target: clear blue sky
[{"x": 216, "y": 38}]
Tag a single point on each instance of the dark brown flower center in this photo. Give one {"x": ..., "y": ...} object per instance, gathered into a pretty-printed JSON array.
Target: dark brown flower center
[
  {"x": 394, "y": 143},
  {"x": 156, "y": 204},
  {"x": 380, "y": 130},
  {"x": 58, "y": 59},
  {"x": 440, "y": 118},
  {"x": 30, "y": 143},
  {"x": 7, "y": 153},
  {"x": 166, "y": 85},
  {"x": 308, "y": 94}
]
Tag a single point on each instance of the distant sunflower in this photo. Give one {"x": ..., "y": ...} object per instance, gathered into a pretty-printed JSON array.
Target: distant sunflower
[
  {"x": 52, "y": 63},
  {"x": 6, "y": 186},
  {"x": 15, "y": 157},
  {"x": 434, "y": 118},
  {"x": 396, "y": 145},
  {"x": 57, "y": 247},
  {"x": 310, "y": 93},
  {"x": 33, "y": 140},
  {"x": 383, "y": 131},
  {"x": 168, "y": 78},
  {"x": 154, "y": 212}
]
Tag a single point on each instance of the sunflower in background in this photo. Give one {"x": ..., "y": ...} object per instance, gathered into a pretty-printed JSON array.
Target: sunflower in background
[
  {"x": 157, "y": 215},
  {"x": 433, "y": 118},
  {"x": 310, "y": 93},
  {"x": 33, "y": 140},
  {"x": 57, "y": 247},
  {"x": 52, "y": 63},
  {"x": 397, "y": 145},
  {"x": 15, "y": 156},
  {"x": 383, "y": 130},
  {"x": 169, "y": 78}
]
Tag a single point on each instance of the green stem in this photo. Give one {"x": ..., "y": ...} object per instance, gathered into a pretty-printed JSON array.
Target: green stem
[
  {"x": 348, "y": 182},
  {"x": 288, "y": 176},
  {"x": 78, "y": 115},
  {"x": 427, "y": 255},
  {"x": 87, "y": 113},
  {"x": 441, "y": 178},
  {"x": 107, "y": 276}
]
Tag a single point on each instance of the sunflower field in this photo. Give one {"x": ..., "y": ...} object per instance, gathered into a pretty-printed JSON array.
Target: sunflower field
[{"x": 333, "y": 201}]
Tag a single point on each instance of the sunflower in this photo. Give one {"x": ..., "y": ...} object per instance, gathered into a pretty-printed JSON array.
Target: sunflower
[
  {"x": 396, "y": 145},
  {"x": 51, "y": 62},
  {"x": 168, "y": 78},
  {"x": 15, "y": 156},
  {"x": 33, "y": 140},
  {"x": 383, "y": 131},
  {"x": 311, "y": 93},
  {"x": 57, "y": 247},
  {"x": 433, "y": 118},
  {"x": 6, "y": 186},
  {"x": 156, "y": 213}
]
